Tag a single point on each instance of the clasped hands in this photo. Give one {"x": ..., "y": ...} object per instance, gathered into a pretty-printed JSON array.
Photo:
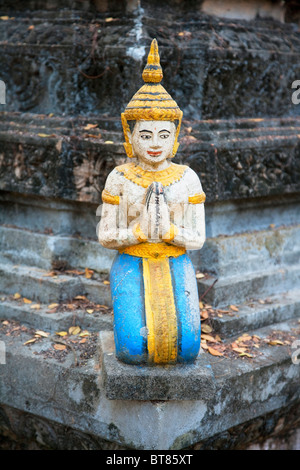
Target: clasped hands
[{"x": 154, "y": 223}]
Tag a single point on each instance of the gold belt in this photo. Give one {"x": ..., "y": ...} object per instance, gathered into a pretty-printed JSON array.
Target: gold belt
[{"x": 153, "y": 250}]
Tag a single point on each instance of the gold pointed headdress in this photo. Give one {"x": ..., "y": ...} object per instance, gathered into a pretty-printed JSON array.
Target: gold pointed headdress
[{"x": 151, "y": 102}]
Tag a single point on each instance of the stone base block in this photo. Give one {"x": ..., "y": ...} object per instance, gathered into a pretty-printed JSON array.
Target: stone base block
[{"x": 171, "y": 382}]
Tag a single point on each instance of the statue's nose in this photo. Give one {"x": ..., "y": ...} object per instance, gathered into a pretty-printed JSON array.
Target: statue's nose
[{"x": 155, "y": 142}]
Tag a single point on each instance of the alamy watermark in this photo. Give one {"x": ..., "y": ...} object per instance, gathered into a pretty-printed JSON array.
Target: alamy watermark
[
  {"x": 2, "y": 353},
  {"x": 295, "y": 354},
  {"x": 2, "y": 92},
  {"x": 296, "y": 94}
]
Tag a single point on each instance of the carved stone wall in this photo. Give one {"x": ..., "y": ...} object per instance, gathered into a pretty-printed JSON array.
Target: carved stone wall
[{"x": 67, "y": 66}]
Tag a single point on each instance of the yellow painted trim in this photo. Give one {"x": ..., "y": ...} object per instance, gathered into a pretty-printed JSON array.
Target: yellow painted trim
[
  {"x": 137, "y": 232},
  {"x": 144, "y": 178},
  {"x": 109, "y": 198},
  {"x": 197, "y": 198},
  {"x": 161, "y": 319},
  {"x": 171, "y": 234},
  {"x": 153, "y": 250}
]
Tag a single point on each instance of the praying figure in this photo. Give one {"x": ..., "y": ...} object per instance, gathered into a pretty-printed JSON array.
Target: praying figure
[{"x": 153, "y": 212}]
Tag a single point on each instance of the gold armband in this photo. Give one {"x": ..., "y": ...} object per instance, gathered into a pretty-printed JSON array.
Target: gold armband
[
  {"x": 109, "y": 198},
  {"x": 197, "y": 198},
  {"x": 171, "y": 234},
  {"x": 137, "y": 232}
]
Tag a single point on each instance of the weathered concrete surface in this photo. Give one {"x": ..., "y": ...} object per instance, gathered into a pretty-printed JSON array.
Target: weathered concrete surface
[
  {"x": 179, "y": 382},
  {"x": 37, "y": 284},
  {"x": 75, "y": 397}
]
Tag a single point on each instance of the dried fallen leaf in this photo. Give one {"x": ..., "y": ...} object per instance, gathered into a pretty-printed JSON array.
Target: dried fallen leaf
[
  {"x": 27, "y": 301},
  {"x": 90, "y": 310},
  {"x": 239, "y": 350},
  {"x": 17, "y": 295},
  {"x": 4, "y": 18},
  {"x": 106, "y": 282},
  {"x": 234, "y": 308},
  {"x": 80, "y": 297},
  {"x": 90, "y": 126},
  {"x": 84, "y": 333},
  {"x": 201, "y": 305},
  {"x": 275, "y": 342},
  {"x": 200, "y": 275},
  {"x": 59, "y": 347},
  {"x": 71, "y": 306},
  {"x": 42, "y": 333},
  {"x": 208, "y": 338},
  {"x": 30, "y": 27},
  {"x": 83, "y": 340},
  {"x": 88, "y": 273},
  {"x": 245, "y": 354},
  {"x": 53, "y": 305},
  {"x": 61, "y": 333},
  {"x": 35, "y": 306},
  {"x": 206, "y": 328},
  {"x": 214, "y": 352},
  {"x": 109, "y": 142},
  {"x": 74, "y": 330},
  {"x": 32, "y": 340}
]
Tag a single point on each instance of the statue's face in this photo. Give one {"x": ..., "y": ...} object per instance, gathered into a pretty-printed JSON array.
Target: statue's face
[{"x": 153, "y": 141}]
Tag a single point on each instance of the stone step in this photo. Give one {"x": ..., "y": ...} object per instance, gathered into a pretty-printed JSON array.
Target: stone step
[
  {"x": 256, "y": 314},
  {"x": 244, "y": 253},
  {"x": 238, "y": 289},
  {"x": 21, "y": 246},
  {"x": 37, "y": 284},
  {"x": 76, "y": 396},
  {"x": 56, "y": 319},
  {"x": 222, "y": 255}
]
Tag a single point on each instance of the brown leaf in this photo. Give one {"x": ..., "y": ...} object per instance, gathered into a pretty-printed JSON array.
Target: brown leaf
[
  {"x": 74, "y": 330},
  {"x": 214, "y": 352},
  {"x": 59, "y": 347},
  {"x": 208, "y": 338},
  {"x": 106, "y": 282},
  {"x": 90, "y": 126},
  {"x": 42, "y": 333},
  {"x": 206, "y": 328},
  {"x": 27, "y": 301},
  {"x": 234, "y": 308},
  {"x": 81, "y": 297},
  {"x": 239, "y": 350},
  {"x": 88, "y": 273},
  {"x": 35, "y": 306},
  {"x": 275, "y": 342},
  {"x": 32, "y": 340},
  {"x": 51, "y": 306}
]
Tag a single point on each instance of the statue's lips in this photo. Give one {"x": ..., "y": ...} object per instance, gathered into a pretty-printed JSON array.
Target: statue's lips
[{"x": 154, "y": 154}]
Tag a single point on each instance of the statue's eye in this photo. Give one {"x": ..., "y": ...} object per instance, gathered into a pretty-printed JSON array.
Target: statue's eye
[
  {"x": 164, "y": 136},
  {"x": 145, "y": 136}
]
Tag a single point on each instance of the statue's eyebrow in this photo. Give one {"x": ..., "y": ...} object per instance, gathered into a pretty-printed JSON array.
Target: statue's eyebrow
[
  {"x": 145, "y": 130},
  {"x": 165, "y": 130}
]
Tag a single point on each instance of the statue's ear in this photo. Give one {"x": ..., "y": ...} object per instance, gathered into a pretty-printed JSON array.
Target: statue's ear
[{"x": 127, "y": 135}]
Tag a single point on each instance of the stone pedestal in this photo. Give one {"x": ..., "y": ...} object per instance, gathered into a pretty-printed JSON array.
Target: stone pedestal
[{"x": 131, "y": 382}]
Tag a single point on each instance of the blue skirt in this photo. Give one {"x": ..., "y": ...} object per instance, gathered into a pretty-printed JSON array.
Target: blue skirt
[{"x": 131, "y": 331}]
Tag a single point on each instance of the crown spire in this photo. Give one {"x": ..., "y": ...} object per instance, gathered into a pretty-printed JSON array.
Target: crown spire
[{"x": 153, "y": 72}]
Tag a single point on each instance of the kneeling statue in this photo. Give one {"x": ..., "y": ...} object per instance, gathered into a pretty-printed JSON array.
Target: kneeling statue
[{"x": 153, "y": 212}]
